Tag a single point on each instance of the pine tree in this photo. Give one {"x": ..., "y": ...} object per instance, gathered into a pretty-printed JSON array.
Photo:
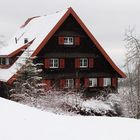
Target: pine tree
[{"x": 28, "y": 83}]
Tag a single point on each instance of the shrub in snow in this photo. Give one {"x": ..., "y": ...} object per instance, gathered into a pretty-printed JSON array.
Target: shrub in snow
[
  {"x": 94, "y": 107},
  {"x": 73, "y": 102}
]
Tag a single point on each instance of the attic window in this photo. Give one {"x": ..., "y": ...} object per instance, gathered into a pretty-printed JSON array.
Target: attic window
[
  {"x": 4, "y": 61},
  {"x": 68, "y": 40},
  {"x": 25, "y": 40}
]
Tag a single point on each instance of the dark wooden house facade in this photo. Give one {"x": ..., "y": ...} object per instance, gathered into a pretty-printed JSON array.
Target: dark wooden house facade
[{"x": 72, "y": 58}]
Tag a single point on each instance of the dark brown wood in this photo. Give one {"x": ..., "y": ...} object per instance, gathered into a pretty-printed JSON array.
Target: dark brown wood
[{"x": 69, "y": 57}]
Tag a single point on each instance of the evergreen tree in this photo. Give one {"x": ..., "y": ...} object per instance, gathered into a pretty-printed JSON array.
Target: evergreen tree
[{"x": 28, "y": 83}]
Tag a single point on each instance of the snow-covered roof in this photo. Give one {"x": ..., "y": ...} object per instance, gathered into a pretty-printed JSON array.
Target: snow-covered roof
[
  {"x": 20, "y": 122},
  {"x": 39, "y": 30},
  {"x": 37, "y": 27}
]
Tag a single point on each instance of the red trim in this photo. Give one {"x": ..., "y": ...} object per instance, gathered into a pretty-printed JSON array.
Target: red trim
[
  {"x": 71, "y": 11},
  {"x": 20, "y": 49},
  {"x": 86, "y": 82},
  {"x": 5, "y": 66},
  {"x": 47, "y": 63},
  {"x": 62, "y": 63},
  {"x": 62, "y": 83},
  {"x": 100, "y": 82},
  {"x": 50, "y": 34},
  {"x": 77, "y": 83},
  {"x": 11, "y": 80},
  {"x": 91, "y": 62},
  {"x": 114, "y": 82},
  {"x": 56, "y": 27},
  {"x": 61, "y": 40},
  {"x": 77, "y": 40},
  {"x": 47, "y": 83},
  {"x": 77, "y": 62}
]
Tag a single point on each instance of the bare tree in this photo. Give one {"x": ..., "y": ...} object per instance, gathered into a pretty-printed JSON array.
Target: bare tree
[{"x": 133, "y": 70}]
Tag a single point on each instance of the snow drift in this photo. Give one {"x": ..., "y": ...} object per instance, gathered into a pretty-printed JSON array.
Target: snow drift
[{"x": 20, "y": 122}]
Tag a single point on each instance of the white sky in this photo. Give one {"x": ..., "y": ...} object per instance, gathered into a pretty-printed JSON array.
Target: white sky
[{"x": 106, "y": 19}]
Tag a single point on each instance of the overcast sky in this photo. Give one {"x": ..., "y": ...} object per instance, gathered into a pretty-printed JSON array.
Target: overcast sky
[{"x": 106, "y": 19}]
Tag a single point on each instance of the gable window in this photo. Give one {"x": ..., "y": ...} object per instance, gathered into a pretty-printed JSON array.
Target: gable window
[
  {"x": 68, "y": 41},
  {"x": 54, "y": 63},
  {"x": 25, "y": 40},
  {"x": 92, "y": 82},
  {"x": 83, "y": 62},
  {"x": 107, "y": 82},
  {"x": 69, "y": 83},
  {"x": 4, "y": 61}
]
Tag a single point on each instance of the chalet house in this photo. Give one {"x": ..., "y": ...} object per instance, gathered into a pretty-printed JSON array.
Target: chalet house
[{"x": 71, "y": 56}]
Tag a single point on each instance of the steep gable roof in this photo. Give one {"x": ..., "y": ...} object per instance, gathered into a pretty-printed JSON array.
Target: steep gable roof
[{"x": 39, "y": 30}]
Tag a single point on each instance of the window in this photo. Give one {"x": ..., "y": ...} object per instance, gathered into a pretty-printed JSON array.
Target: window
[
  {"x": 69, "y": 83},
  {"x": 7, "y": 61},
  {"x": 107, "y": 82},
  {"x": 54, "y": 63},
  {"x": 4, "y": 61},
  {"x": 83, "y": 62},
  {"x": 25, "y": 40},
  {"x": 92, "y": 82},
  {"x": 68, "y": 40}
]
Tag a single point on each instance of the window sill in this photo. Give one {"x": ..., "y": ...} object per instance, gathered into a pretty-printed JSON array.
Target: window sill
[
  {"x": 53, "y": 67},
  {"x": 5, "y": 66},
  {"x": 83, "y": 67}
]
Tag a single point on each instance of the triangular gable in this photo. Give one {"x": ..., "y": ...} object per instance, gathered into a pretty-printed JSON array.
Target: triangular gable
[
  {"x": 37, "y": 46},
  {"x": 56, "y": 27}
]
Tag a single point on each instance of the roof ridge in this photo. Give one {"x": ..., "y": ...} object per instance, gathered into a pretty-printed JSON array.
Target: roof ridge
[{"x": 28, "y": 20}]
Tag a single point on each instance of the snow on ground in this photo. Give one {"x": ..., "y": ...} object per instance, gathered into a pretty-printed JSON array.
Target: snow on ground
[{"x": 20, "y": 122}]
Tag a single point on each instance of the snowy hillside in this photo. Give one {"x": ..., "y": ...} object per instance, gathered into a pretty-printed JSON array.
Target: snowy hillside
[{"x": 20, "y": 122}]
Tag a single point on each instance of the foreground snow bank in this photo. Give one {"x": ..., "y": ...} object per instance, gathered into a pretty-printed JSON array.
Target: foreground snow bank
[{"x": 20, "y": 122}]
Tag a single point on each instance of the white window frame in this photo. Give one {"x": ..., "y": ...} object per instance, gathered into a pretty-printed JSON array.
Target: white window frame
[
  {"x": 69, "y": 83},
  {"x": 107, "y": 82},
  {"x": 92, "y": 82},
  {"x": 55, "y": 62},
  {"x": 82, "y": 62},
  {"x": 68, "y": 40},
  {"x": 7, "y": 61}
]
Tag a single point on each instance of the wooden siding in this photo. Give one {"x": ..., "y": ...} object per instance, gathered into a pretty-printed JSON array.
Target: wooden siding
[{"x": 86, "y": 49}]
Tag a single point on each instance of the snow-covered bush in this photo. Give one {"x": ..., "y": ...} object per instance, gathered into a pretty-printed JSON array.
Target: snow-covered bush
[
  {"x": 72, "y": 103},
  {"x": 95, "y": 107}
]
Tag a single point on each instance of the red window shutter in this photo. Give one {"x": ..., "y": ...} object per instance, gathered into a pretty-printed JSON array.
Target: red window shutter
[
  {"x": 77, "y": 40},
  {"x": 62, "y": 63},
  {"x": 77, "y": 63},
  {"x": 77, "y": 83},
  {"x": 114, "y": 82},
  {"x": 47, "y": 84},
  {"x": 100, "y": 82},
  {"x": 62, "y": 83},
  {"x": 86, "y": 82},
  {"x": 61, "y": 40},
  {"x": 91, "y": 62},
  {"x": 47, "y": 65}
]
